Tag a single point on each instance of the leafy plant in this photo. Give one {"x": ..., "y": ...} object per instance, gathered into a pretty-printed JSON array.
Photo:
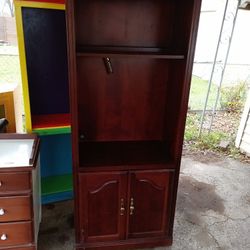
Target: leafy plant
[
  {"x": 210, "y": 140},
  {"x": 233, "y": 98}
]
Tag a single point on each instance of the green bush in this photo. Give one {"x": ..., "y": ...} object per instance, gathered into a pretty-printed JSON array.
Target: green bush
[
  {"x": 210, "y": 141},
  {"x": 233, "y": 98}
]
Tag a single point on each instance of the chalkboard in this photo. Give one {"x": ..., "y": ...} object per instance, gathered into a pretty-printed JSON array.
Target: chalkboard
[{"x": 46, "y": 58}]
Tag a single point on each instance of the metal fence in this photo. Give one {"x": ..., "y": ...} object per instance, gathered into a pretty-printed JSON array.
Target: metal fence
[{"x": 9, "y": 64}]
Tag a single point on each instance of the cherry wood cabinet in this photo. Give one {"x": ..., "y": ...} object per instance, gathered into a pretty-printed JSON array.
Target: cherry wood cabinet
[
  {"x": 130, "y": 66},
  {"x": 123, "y": 205}
]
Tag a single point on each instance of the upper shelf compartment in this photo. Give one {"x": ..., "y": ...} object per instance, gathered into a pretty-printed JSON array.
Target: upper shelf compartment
[{"x": 140, "y": 23}]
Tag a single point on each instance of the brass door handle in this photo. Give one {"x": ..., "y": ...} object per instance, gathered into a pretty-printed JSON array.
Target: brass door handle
[
  {"x": 108, "y": 65},
  {"x": 132, "y": 208},
  {"x": 122, "y": 209}
]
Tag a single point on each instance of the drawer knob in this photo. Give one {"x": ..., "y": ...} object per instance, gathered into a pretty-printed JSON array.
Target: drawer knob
[
  {"x": 1, "y": 184},
  {"x": 2, "y": 212},
  {"x": 4, "y": 237}
]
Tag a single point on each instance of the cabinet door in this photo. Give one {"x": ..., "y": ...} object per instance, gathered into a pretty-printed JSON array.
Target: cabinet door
[
  {"x": 149, "y": 203},
  {"x": 102, "y": 206}
]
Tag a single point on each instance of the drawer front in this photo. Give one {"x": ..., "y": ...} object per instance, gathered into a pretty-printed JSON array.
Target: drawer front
[
  {"x": 14, "y": 182},
  {"x": 15, "y": 208},
  {"x": 12, "y": 234}
]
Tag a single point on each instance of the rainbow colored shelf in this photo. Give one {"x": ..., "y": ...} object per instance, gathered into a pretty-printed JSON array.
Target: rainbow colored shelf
[{"x": 45, "y": 90}]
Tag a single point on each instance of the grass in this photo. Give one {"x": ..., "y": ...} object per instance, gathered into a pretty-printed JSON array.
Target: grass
[
  {"x": 198, "y": 93},
  {"x": 192, "y": 127},
  {"x": 9, "y": 69},
  {"x": 206, "y": 140}
]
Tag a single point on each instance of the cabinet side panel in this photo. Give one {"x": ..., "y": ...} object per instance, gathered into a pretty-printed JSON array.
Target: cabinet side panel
[
  {"x": 37, "y": 209},
  {"x": 194, "y": 15}
]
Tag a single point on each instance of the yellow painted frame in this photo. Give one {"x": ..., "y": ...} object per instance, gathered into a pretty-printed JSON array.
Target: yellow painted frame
[{"x": 22, "y": 55}]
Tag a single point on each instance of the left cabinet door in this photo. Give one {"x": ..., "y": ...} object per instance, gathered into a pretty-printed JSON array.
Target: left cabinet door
[{"x": 102, "y": 206}]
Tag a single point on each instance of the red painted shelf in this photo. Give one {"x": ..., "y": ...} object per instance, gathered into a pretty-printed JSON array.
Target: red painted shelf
[{"x": 50, "y": 121}]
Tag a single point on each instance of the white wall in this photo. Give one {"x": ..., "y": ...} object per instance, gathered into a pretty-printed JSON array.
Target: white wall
[
  {"x": 243, "y": 135},
  {"x": 239, "y": 58},
  {"x": 4, "y": 9}
]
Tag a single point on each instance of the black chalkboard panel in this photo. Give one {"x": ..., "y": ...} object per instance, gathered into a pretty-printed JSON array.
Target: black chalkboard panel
[{"x": 46, "y": 58}]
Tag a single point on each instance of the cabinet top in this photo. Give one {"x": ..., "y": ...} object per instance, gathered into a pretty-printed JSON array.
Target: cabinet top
[{"x": 18, "y": 152}]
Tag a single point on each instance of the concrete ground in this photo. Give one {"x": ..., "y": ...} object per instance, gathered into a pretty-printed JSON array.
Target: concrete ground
[{"x": 213, "y": 209}]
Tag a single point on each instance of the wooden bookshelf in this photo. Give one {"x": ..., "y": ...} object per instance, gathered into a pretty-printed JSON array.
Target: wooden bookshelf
[{"x": 130, "y": 66}]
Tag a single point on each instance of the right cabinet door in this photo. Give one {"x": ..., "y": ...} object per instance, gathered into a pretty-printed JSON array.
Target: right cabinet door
[{"x": 149, "y": 200}]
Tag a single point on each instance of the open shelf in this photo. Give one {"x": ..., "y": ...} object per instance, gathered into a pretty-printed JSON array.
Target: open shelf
[
  {"x": 57, "y": 188},
  {"x": 123, "y": 153},
  {"x": 122, "y": 51},
  {"x": 133, "y": 24},
  {"x": 51, "y": 124},
  {"x": 47, "y": 70}
]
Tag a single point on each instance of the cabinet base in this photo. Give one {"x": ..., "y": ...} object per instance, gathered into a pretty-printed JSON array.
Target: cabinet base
[
  {"x": 20, "y": 247},
  {"x": 126, "y": 244}
]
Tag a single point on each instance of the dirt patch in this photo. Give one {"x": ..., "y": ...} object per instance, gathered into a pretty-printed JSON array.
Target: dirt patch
[
  {"x": 210, "y": 156},
  {"x": 226, "y": 122},
  {"x": 201, "y": 155},
  {"x": 207, "y": 150}
]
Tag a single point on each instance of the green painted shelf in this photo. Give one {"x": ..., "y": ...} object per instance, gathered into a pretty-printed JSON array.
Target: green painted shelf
[
  {"x": 57, "y": 184},
  {"x": 52, "y": 131}
]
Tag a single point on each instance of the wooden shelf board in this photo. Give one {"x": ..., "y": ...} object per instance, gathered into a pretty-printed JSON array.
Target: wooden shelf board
[
  {"x": 134, "y": 55},
  {"x": 106, "y": 51}
]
